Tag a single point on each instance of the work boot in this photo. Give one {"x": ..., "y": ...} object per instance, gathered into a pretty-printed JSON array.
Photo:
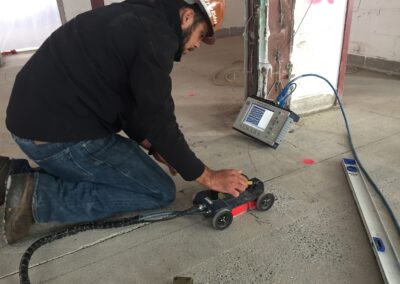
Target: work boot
[
  {"x": 10, "y": 167},
  {"x": 4, "y": 168},
  {"x": 18, "y": 216}
]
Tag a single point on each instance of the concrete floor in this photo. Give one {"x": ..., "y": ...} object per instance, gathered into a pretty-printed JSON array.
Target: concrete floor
[{"x": 313, "y": 234}]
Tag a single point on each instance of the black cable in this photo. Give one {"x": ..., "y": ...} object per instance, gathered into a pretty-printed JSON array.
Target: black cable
[{"x": 309, "y": 6}]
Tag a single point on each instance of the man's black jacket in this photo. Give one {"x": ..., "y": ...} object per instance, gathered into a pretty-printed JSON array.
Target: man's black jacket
[{"x": 104, "y": 71}]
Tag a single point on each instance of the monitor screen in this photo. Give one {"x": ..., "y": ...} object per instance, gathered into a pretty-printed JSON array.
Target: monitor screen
[{"x": 258, "y": 117}]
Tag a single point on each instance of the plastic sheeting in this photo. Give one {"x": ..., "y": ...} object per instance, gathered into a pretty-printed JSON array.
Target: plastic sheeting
[{"x": 27, "y": 23}]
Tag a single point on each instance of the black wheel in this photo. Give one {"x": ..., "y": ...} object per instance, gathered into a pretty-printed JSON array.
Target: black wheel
[
  {"x": 265, "y": 201},
  {"x": 222, "y": 219}
]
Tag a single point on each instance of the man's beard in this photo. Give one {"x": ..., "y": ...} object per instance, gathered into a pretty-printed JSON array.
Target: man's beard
[{"x": 186, "y": 33}]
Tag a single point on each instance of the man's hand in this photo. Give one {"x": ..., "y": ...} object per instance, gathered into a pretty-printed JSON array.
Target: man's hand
[
  {"x": 226, "y": 181},
  {"x": 161, "y": 160},
  {"x": 145, "y": 144}
]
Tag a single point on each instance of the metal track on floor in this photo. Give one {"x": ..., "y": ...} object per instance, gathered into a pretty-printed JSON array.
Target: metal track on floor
[{"x": 380, "y": 228}]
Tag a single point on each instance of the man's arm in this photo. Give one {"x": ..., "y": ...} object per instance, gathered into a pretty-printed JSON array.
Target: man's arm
[
  {"x": 226, "y": 181},
  {"x": 147, "y": 145},
  {"x": 152, "y": 116}
]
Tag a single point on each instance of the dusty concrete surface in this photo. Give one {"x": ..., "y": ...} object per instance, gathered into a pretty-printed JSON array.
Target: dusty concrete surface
[{"x": 313, "y": 234}]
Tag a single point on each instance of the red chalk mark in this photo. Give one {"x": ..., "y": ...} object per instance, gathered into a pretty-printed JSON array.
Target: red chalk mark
[
  {"x": 308, "y": 162},
  {"x": 192, "y": 94}
]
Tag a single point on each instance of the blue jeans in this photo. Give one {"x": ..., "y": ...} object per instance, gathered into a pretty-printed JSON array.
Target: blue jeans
[{"x": 94, "y": 179}]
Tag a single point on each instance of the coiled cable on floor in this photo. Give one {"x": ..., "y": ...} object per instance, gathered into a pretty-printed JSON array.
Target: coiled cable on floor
[{"x": 75, "y": 229}]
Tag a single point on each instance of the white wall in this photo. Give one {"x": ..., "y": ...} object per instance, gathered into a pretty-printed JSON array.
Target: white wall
[
  {"x": 317, "y": 49},
  {"x": 375, "y": 29}
]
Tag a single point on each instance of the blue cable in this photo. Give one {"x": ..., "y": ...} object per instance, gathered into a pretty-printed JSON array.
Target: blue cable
[
  {"x": 281, "y": 101},
  {"x": 285, "y": 94}
]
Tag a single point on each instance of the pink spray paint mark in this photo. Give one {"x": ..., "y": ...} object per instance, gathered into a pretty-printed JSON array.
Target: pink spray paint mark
[
  {"x": 308, "y": 162},
  {"x": 319, "y": 1},
  {"x": 191, "y": 94}
]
